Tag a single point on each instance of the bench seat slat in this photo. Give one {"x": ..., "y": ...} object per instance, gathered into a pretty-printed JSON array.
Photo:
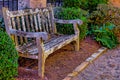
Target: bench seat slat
[
  {"x": 28, "y": 56},
  {"x": 50, "y": 46}
]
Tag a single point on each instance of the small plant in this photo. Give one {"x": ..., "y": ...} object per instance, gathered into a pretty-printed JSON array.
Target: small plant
[
  {"x": 8, "y": 57},
  {"x": 105, "y": 35},
  {"x": 104, "y": 14},
  {"x": 72, "y": 13}
]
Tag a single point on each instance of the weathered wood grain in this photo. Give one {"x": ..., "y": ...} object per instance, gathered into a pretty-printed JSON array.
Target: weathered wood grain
[{"x": 36, "y": 35}]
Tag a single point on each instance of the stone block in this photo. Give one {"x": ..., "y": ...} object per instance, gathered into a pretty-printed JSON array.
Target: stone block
[
  {"x": 73, "y": 74},
  {"x": 81, "y": 66},
  {"x": 37, "y": 3},
  {"x": 67, "y": 78},
  {"x": 23, "y": 4}
]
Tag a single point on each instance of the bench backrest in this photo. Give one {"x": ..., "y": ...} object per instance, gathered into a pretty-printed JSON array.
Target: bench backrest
[{"x": 29, "y": 20}]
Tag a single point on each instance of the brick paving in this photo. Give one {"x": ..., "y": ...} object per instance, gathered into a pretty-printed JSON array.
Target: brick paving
[{"x": 106, "y": 67}]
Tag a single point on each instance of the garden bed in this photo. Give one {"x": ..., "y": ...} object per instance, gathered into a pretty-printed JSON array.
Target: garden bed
[{"x": 60, "y": 63}]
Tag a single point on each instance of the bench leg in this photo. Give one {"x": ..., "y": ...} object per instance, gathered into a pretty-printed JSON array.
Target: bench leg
[
  {"x": 41, "y": 68},
  {"x": 77, "y": 45},
  {"x": 41, "y": 58}
]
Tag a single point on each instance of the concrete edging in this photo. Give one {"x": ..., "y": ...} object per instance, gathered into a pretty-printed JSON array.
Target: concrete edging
[{"x": 86, "y": 63}]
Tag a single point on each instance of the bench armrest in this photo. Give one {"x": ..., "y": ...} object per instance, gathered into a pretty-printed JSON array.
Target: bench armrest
[
  {"x": 74, "y": 22},
  {"x": 42, "y": 35},
  {"x": 79, "y": 22}
]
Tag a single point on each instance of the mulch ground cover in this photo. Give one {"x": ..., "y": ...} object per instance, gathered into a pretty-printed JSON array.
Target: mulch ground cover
[{"x": 59, "y": 63}]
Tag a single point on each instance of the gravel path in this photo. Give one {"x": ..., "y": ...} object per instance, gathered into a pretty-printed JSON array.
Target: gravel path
[{"x": 106, "y": 67}]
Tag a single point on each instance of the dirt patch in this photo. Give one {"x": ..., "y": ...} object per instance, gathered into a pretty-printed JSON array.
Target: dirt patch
[{"x": 60, "y": 63}]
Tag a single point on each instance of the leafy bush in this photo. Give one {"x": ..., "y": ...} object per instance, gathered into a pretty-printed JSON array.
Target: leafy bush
[
  {"x": 84, "y": 4},
  {"x": 71, "y": 13},
  {"x": 105, "y": 35},
  {"x": 104, "y": 14},
  {"x": 75, "y": 3},
  {"x": 8, "y": 57}
]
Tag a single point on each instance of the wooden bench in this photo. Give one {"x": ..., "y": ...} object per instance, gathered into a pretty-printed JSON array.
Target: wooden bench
[{"x": 35, "y": 35}]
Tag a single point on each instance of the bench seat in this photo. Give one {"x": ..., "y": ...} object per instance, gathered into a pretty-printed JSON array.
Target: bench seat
[{"x": 49, "y": 46}]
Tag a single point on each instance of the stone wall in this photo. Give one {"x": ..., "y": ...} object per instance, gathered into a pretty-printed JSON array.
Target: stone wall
[
  {"x": 42, "y": 3},
  {"x": 22, "y": 4}
]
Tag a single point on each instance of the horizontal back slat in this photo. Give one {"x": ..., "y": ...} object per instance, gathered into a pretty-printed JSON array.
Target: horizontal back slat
[{"x": 25, "y": 12}]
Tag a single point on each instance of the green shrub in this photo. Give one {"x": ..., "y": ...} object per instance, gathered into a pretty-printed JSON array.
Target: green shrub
[
  {"x": 104, "y": 34},
  {"x": 71, "y": 13},
  {"x": 84, "y": 4},
  {"x": 8, "y": 57},
  {"x": 75, "y": 3},
  {"x": 104, "y": 14}
]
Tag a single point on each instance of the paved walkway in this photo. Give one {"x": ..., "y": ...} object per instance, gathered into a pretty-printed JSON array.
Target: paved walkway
[{"x": 106, "y": 67}]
